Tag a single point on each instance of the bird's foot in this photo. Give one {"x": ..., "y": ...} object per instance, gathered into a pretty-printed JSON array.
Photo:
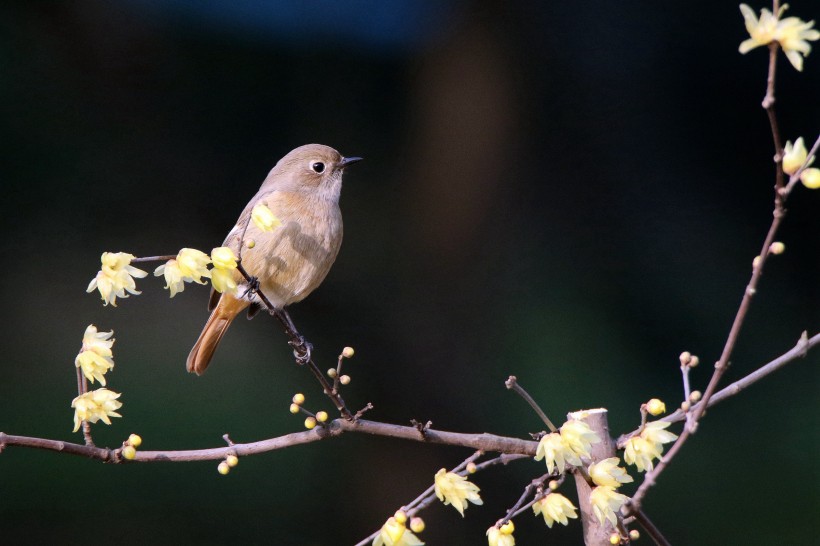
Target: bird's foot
[
  {"x": 301, "y": 349},
  {"x": 252, "y": 288}
]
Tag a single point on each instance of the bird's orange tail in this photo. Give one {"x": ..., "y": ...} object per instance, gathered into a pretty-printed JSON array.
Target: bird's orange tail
[{"x": 221, "y": 317}]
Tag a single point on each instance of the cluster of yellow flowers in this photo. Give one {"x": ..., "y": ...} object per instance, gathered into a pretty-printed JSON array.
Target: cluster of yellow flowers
[
  {"x": 456, "y": 490},
  {"x": 95, "y": 360},
  {"x": 643, "y": 449},
  {"x": 791, "y": 33}
]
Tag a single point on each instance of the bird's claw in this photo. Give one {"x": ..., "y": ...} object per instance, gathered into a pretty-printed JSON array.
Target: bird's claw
[
  {"x": 251, "y": 288},
  {"x": 301, "y": 350}
]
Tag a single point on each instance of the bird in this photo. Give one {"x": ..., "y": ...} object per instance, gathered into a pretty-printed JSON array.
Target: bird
[{"x": 302, "y": 191}]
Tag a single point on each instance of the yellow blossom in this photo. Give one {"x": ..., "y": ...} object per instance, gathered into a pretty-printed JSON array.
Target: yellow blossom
[
  {"x": 190, "y": 265},
  {"x": 95, "y": 357},
  {"x": 654, "y": 432},
  {"x": 655, "y": 407},
  {"x": 555, "y": 507},
  {"x": 557, "y": 452},
  {"x": 606, "y": 502},
  {"x": 792, "y": 33},
  {"x": 223, "y": 257},
  {"x": 496, "y": 538},
  {"x": 579, "y": 437},
  {"x": 223, "y": 281},
  {"x": 810, "y": 178},
  {"x": 394, "y": 533},
  {"x": 641, "y": 453},
  {"x": 115, "y": 277},
  {"x": 794, "y": 155},
  {"x": 607, "y": 472},
  {"x": 94, "y": 406},
  {"x": 456, "y": 490},
  {"x": 264, "y": 218}
]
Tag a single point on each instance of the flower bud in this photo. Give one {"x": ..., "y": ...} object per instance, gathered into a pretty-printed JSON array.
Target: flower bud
[
  {"x": 310, "y": 423},
  {"x": 400, "y": 516},
  {"x": 344, "y": 380},
  {"x": 294, "y": 408},
  {"x": 299, "y": 398},
  {"x": 655, "y": 407},
  {"x": 685, "y": 356},
  {"x": 508, "y": 528},
  {"x": 694, "y": 396},
  {"x": 128, "y": 452},
  {"x": 685, "y": 405},
  {"x": 321, "y": 416},
  {"x": 232, "y": 460},
  {"x": 810, "y": 178},
  {"x": 417, "y": 525},
  {"x": 614, "y": 538},
  {"x": 553, "y": 485},
  {"x": 634, "y": 534},
  {"x": 471, "y": 468},
  {"x": 347, "y": 352},
  {"x": 135, "y": 440},
  {"x": 331, "y": 373},
  {"x": 251, "y": 243},
  {"x": 694, "y": 361},
  {"x": 223, "y": 468},
  {"x": 777, "y": 247},
  {"x": 756, "y": 261}
]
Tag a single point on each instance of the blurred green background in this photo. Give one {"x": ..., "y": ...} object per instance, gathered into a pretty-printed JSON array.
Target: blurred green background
[{"x": 569, "y": 192}]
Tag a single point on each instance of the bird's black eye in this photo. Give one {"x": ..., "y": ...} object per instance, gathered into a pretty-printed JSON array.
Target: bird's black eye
[{"x": 318, "y": 167}]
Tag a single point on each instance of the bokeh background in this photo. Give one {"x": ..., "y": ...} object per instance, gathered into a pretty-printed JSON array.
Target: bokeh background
[{"x": 569, "y": 192}]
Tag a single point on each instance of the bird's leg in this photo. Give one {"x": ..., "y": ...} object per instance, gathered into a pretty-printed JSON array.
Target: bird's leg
[
  {"x": 251, "y": 288},
  {"x": 301, "y": 347}
]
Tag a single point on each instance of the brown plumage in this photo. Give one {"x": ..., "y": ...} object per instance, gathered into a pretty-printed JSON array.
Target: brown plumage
[{"x": 302, "y": 190}]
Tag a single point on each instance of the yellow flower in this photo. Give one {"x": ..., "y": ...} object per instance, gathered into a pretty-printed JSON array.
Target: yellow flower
[
  {"x": 223, "y": 258},
  {"x": 224, "y": 262},
  {"x": 607, "y": 472},
  {"x": 654, "y": 432},
  {"x": 173, "y": 276},
  {"x": 496, "y": 537},
  {"x": 605, "y": 503},
  {"x": 456, "y": 490},
  {"x": 641, "y": 453},
  {"x": 794, "y": 155},
  {"x": 95, "y": 357},
  {"x": 555, "y": 507},
  {"x": 810, "y": 178},
  {"x": 190, "y": 265},
  {"x": 94, "y": 406},
  {"x": 791, "y": 33},
  {"x": 557, "y": 452},
  {"x": 655, "y": 407},
  {"x": 115, "y": 277},
  {"x": 264, "y": 218},
  {"x": 394, "y": 533},
  {"x": 579, "y": 437}
]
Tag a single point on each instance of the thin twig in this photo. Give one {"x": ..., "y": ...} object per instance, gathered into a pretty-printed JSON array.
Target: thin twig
[
  {"x": 154, "y": 259},
  {"x": 512, "y": 384},
  {"x": 523, "y": 503},
  {"x": 653, "y": 532}
]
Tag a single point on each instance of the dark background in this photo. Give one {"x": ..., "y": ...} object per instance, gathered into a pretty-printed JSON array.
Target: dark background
[{"x": 569, "y": 192}]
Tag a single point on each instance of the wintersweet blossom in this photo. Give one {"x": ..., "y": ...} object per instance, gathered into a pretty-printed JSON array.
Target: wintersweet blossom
[
  {"x": 655, "y": 432},
  {"x": 222, "y": 274},
  {"x": 497, "y": 537},
  {"x": 579, "y": 437},
  {"x": 792, "y": 33},
  {"x": 555, "y": 507},
  {"x": 95, "y": 357},
  {"x": 94, "y": 406},
  {"x": 115, "y": 277},
  {"x": 264, "y": 218},
  {"x": 394, "y": 533},
  {"x": 641, "y": 453},
  {"x": 556, "y": 451},
  {"x": 456, "y": 490},
  {"x": 794, "y": 155},
  {"x": 607, "y": 472},
  {"x": 190, "y": 265},
  {"x": 606, "y": 502}
]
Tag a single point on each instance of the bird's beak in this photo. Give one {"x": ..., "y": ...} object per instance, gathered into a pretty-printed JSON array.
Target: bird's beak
[{"x": 348, "y": 161}]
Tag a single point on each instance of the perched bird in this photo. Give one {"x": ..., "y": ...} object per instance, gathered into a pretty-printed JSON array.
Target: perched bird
[{"x": 302, "y": 191}]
